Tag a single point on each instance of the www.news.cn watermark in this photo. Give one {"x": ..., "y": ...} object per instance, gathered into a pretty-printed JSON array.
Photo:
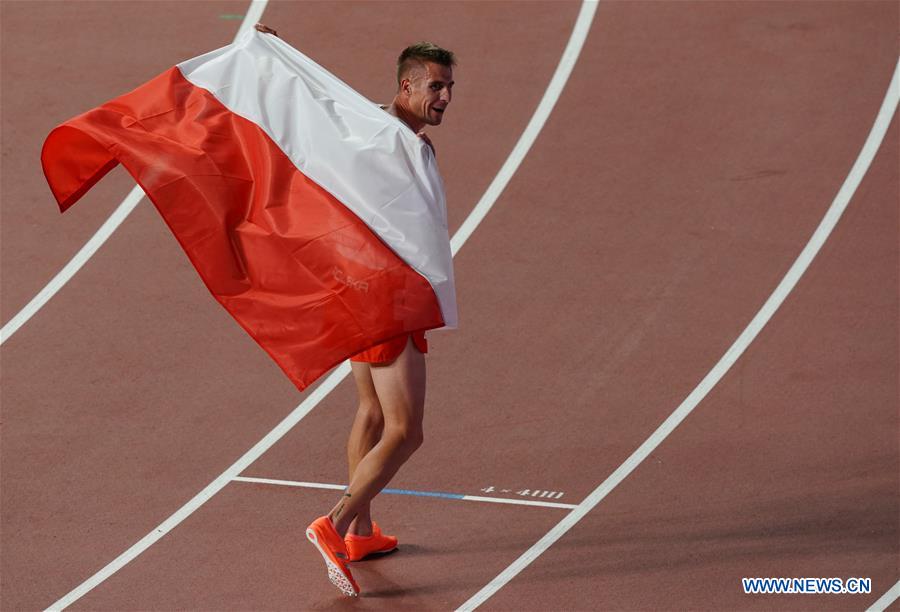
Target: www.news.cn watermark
[{"x": 811, "y": 586}]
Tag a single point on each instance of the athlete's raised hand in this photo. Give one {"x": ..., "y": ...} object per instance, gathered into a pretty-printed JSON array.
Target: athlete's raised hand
[{"x": 261, "y": 27}]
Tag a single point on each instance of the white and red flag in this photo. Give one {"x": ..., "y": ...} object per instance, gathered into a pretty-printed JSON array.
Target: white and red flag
[{"x": 313, "y": 216}]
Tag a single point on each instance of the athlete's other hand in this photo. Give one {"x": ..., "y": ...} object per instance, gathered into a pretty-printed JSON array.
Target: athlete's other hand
[{"x": 261, "y": 27}]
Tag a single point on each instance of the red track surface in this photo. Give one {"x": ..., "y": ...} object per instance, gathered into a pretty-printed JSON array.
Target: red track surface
[{"x": 693, "y": 152}]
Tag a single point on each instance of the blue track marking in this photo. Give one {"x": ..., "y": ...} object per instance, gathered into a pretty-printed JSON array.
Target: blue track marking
[{"x": 424, "y": 493}]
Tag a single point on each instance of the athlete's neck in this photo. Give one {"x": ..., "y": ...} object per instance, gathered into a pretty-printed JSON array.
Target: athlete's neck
[{"x": 402, "y": 113}]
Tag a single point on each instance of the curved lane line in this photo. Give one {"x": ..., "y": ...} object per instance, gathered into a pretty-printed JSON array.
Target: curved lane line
[
  {"x": 545, "y": 107},
  {"x": 787, "y": 284},
  {"x": 254, "y": 13},
  {"x": 887, "y": 599},
  {"x": 68, "y": 271},
  {"x": 551, "y": 94}
]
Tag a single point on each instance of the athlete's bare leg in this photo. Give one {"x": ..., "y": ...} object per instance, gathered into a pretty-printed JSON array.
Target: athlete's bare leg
[
  {"x": 365, "y": 434},
  {"x": 400, "y": 387}
]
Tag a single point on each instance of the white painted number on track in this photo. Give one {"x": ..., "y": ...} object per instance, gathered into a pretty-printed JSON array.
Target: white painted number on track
[{"x": 543, "y": 493}]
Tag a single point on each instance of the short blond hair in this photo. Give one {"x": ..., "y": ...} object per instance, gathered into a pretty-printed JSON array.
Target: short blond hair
[{"x": 418, "y": 54}]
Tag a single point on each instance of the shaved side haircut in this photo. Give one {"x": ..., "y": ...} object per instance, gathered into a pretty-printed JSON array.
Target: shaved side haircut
[{"x": 419, "y": 53}]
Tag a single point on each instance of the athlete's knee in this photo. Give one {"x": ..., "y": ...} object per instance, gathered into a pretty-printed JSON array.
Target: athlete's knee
[
  {"x": 415, "y": 438},
  {"x": 407, "y": 437},
  {"x": 370, "y": 413}
]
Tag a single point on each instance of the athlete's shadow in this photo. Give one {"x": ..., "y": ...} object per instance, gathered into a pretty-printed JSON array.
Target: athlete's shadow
[
  {"x": 379, "y": 580},
  {"x": 376, "y": 575},
  {"x": 404, "y": 549}
]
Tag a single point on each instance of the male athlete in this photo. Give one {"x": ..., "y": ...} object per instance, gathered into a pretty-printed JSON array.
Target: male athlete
[{"x": 390, "y": 377}]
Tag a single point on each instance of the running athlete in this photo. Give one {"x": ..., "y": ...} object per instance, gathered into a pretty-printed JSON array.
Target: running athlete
[{"x": 390, "y": 377}]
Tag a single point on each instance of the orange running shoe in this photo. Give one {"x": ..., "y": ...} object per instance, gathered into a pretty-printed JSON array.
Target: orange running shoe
[
  {"x": 360, "y": 547},
  {"x": 325, "y": 538}
]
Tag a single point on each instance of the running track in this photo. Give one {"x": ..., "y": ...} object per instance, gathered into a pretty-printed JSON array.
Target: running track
[{"x": 691, "y": 156}]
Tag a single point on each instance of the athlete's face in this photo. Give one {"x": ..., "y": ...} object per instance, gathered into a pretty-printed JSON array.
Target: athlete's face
[{"x": 429, "y": 88}]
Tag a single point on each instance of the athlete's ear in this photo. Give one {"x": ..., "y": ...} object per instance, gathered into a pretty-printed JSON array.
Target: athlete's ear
[{"x": 406, "y": 86}]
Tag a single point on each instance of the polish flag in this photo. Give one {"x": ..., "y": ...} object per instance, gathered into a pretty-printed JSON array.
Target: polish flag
[{"x": 313, "y": 216}]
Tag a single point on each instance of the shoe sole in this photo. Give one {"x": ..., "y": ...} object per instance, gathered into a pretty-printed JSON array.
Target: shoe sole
[{"x": 335, "y": 574}]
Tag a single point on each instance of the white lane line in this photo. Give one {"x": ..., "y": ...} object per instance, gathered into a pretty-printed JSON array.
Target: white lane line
[
  {"x": 545, "y": 107},
  {"x": 787, "y": 284},
  {"x": 290, "y": 483},
  {"x": 564, "y": 67},
  {"x": 478, "y": 498},
  {"x": 887, "y": 599},
  {"x": 81, "y": 257},
  {"x": 254, "y": 13}
]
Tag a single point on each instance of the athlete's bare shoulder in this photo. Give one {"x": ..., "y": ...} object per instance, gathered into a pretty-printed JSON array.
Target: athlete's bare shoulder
[
  {"x": 427, "y": 140},
  {"x": 422, "y": 135}
]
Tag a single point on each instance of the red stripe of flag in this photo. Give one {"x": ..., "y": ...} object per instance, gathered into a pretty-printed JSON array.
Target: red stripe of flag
[{"x": 307, "y": 279}]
